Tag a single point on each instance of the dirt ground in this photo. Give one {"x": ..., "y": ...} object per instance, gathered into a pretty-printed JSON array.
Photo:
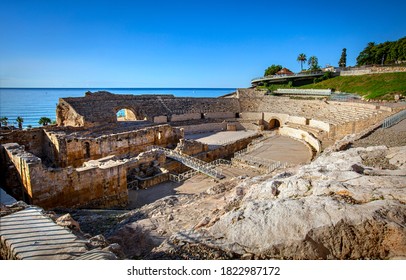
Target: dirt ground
[
  {"x": 283, "y": 149},
  {"x": 195, "y": 185},
  {"x": 390, "y": 137}
]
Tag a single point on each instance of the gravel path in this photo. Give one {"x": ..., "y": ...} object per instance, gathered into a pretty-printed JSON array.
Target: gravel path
[{"x": 390, "y": 137}]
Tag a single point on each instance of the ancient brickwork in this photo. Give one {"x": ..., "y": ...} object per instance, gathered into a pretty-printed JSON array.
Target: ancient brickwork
[
  {"x": 32, "y": 139},
  {"x": 99, "y": 184},
  {"x": 74, "y": 150},
  {"x": 101, "y": 107}
]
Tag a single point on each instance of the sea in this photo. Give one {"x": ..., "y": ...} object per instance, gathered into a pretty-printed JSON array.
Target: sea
[{"x": 33, "y": 103}]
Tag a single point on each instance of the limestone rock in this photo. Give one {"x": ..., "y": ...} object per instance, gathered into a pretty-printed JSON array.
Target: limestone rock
[
  {"x": 67, "y": 221},
  {"x": 98, "y": 241},
  {"x": 327, "y": 210}
]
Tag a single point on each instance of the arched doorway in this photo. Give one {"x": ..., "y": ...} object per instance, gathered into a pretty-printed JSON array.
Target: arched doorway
[
  {"x": 274, "y": 124},
  {"x": 127, "y": 114}
]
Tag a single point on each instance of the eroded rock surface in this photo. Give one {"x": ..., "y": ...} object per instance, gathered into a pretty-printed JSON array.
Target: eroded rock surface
[{"x": 332, "y": 208}]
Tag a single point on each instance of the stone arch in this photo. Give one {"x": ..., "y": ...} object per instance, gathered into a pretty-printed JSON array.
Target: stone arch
[
  {"x": 274, "y": 123},
  {"x": 128, "y": 114}
]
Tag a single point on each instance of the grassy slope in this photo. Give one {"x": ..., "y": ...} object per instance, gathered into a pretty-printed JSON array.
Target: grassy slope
[{"x": 379, "y": 86}]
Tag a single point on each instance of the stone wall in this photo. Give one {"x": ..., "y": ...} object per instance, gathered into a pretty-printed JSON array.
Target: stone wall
[
  {"x": 86, "y": 187},
  {"x": 191, "y": 147},
  {"x": 99, "y": 184},
  {"x": 32, "y": 139},
  {"x": 186, "y": 117},
  {"x": 298, "y": 120},
  {"x": 145, "y": 183},
  {"x": 372, "y": 70},
  {"x": 101, "y": 107},
  {"x": 220, "y": 115},
  {"x": 75, "y": 150},
  {"x": 320, "y": 125},
  {"x": 301, "y": 135},
  {"x": 205, "y": 127}
]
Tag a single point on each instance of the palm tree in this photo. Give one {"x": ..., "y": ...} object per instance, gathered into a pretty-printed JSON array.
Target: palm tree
[
  {"x": 302, "y": 59},
  {"x": 20, "y": 121},
  {"x": 3, "y": 121},
  {"x": 44, "y": 121},
  {"x": 313, "y": 63}
]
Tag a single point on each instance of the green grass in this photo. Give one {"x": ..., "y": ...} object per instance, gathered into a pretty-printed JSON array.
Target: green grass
[{"x": 374, "y": 86}]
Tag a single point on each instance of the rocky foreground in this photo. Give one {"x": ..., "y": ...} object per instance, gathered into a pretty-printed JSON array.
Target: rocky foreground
[{"x": 344, "y": 205}]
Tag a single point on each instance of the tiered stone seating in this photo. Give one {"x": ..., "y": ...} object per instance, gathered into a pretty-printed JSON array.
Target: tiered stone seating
[{"x": 332, "y": 113}]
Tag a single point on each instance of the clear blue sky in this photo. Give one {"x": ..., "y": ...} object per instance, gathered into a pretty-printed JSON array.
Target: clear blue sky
[{"x": 69, "y": 43}]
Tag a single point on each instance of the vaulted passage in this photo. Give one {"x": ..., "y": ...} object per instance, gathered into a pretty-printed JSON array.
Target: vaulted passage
[{"x": 274, "y": 123}]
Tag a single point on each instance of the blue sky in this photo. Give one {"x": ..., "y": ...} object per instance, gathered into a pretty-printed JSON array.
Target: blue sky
[{"x": 63, "y": 43}]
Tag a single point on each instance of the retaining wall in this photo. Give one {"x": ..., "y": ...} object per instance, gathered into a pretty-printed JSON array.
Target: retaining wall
[
  {"x": 99, "y": 184},
  {"x": 302, "y": 135}
]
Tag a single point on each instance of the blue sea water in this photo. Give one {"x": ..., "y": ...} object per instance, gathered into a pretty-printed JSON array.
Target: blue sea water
[{"x": 33, "y": 103}]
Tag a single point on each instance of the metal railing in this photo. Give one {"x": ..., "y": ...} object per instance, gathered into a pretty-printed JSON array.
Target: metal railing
[
  {"x": 323, "y": 92},
  {"x": 183, "y": 176},
  {"x": 394, "y": 119},
  {"x": 189, "y": 174},
  {"x": 220, "y": 161},
  {"x": 284, "y": 76},
  {"x": 269, "y": 165},
  {"x": 191, "y": 162},
  {"x": 343, "y": 96}
]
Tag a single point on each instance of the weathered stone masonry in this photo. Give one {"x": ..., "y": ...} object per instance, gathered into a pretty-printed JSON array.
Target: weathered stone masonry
[
  {"x": 98, "y": 184},
  {"x": 101, "y": 107},
  {"x": 87, "y": 159}
]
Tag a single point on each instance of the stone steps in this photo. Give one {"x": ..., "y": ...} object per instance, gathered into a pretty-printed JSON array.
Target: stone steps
[{"x": 30, "y": 235}]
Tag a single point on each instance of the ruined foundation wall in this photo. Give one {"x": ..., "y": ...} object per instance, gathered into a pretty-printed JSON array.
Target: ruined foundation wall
[
  {"x": 100, "y": 184},
  {"x": 301, "y": 135},
  {"x": 205, "y": 127},
  {"x": 32, "y": 139},
  {"x": 97, "y": 187},
  {"x": 74, "y": 151}
]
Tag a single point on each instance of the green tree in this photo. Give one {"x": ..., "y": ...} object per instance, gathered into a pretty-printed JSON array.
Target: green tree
[
  {"x": 302, "y": 59},
  {"x": 384, "y": 53},
  {"x": 366, "y": 56},
  {"x": 3, "y": 121},
  {"x": 44, "y": 121},
  {"x": 271, "y": 70},
  {"x": 343, "y": 59},
  {"x": 20, "y": 121},
  {"x": 313, "y": 63}
]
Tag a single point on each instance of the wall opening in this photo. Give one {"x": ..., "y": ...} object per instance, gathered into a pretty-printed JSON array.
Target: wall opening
[
  {"x": 87, "y": 149},
  {"x": 274, "y": 124},
  {"x": 126, "y": 114}
]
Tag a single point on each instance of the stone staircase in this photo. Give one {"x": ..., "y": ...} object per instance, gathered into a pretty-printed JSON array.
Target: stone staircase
[{"x": 30, "y": 235}]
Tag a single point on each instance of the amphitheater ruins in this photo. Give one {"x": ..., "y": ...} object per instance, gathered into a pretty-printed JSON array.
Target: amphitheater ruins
[{"x": 92, "y": 159}]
